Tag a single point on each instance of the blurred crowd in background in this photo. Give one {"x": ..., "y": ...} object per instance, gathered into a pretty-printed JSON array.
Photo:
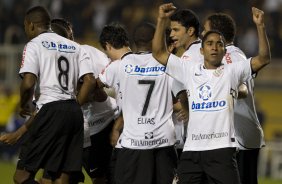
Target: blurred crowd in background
[{"x": 89, "y": 16}]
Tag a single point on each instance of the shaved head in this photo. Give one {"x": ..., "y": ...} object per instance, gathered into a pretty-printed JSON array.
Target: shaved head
[{"x": 38, "y": 15}]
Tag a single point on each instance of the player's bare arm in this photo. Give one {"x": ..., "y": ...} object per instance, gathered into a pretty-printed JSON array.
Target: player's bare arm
[
  {"x": 26, "y": 93},
  {"x": 87, "y": 87},
  {"x": 116, "y": 130},
  {"x": 242, "y": 91},
  {"x": 12, "y": 138},
  {"x": 264, "y": 56},
  {"x": 100, "y": 94},
  {"x": 159, "y": 49}
]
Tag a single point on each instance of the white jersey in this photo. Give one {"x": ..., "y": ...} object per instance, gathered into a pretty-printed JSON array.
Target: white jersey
[
  {"x": 99, "y": 115},
  {"x": 146, "y": 101},
  {"x": 58, "y": 63},
  {"x": 210, "y": 94},
  {"x": 192, "y": 53},
  {"x": 249, "y": 133}
]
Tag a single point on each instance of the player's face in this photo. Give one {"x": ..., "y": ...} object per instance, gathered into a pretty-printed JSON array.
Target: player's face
[
  {"x": 207, "y": 27},
  {"x": 179, "y": 34},
  {"x": 213, "y": 50}
]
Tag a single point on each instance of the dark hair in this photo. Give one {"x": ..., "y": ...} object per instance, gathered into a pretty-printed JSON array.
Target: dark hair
[
  {"x": 187, "y": 18},
  {"x": 60, "y": 30},
  {"x": 115, "y": 35},
  {"x": 205, "y": 37},
  {"x": 38, "y": 15},
  {"x": 143, "y": 34},
  {"x": 64, "y": 23},
  {"x": 223, "y": 23}
]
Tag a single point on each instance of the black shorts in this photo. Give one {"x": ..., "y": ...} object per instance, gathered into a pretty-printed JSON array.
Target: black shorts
[
  {"x": 55, "y": 139},
  {"x": 247, "y": 164},
  {"x": 152, "y": 166},
  {"x": 97, "y": 157},
  {"x": 212, "y": 166},
  {"x": 113, "y": 165}
]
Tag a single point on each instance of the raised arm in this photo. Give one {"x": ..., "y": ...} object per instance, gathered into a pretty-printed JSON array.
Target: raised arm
[
  {"x": 264, "y": 56},
  {"x": 160, "y": 52}
]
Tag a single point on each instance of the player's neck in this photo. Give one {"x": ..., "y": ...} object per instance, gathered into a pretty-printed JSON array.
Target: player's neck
[
  {"x": 121, "y": 52},
  {"x": 193, "y": 40}
]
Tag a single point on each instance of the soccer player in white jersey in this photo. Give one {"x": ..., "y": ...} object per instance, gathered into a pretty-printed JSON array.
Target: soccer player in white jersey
[
  {"x": 185, "y": 30},
  {"x": 99, "y": 114},
  {"x": 116, "y": 48},
  {"x": 54, "y": 64},
  {"x": 148, "y": 154},
  {"x": 210, "y": 146},
  {"x": 248, "y": 131}
]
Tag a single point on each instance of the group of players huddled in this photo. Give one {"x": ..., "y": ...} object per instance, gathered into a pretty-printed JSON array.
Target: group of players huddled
[{"x": 142, "y": 117}]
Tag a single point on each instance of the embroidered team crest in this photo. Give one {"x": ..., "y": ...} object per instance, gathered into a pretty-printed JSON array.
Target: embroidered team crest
[
  {"x": 45, "y": 44},
  {"x": 149, "y": 135},
  {"x": 128, "y": 68},
  {"x": 205, "y": 92},
  {"x": 218, "y": 71}
]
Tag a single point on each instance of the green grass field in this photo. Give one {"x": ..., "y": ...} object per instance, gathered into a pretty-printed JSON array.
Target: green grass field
[{"x": 7, "y": 169}]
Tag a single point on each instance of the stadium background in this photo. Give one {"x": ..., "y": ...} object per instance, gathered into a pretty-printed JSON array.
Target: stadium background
[{"x": 88, "y": 18}]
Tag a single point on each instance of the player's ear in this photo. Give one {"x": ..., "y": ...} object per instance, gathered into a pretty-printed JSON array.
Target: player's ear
[
  {"x": 108, "y": 46},
  {"x": 191, "y": 31},
  {"x": 202, "y": 51}
]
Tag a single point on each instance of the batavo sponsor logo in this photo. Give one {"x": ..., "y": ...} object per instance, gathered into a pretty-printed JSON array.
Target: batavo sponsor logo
[
  {"x": 209, "y": 106},
  {"x": 205, "y": 93},
  {"x": 58, "y": 46},
  {"x": 135, "y": 142},
  {"x": 148, "y": 70},
  {"x": 197, "y": 137}
]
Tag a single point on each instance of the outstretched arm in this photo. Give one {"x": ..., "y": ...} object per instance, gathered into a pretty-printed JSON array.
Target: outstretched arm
[
  {"x": 264, "y": 56},
  {"x": 159, "y": 49}
]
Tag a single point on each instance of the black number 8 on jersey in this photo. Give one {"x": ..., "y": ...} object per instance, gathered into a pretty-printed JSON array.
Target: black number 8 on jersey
[{"x": 63, "y": 65}]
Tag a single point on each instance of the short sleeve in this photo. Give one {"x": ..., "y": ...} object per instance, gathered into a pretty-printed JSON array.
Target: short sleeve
[
  {"x": 242, "y": 70},
  {"x": 175, "y": 68},
  {"x": 110, "y": 75},
  {"x": 85, "y": 63},
  {"x": 30, "y": 60}
]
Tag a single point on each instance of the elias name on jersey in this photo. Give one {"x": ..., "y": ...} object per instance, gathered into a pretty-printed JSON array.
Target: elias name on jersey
[
  {"x": 149, "y": 71},
  {"x": 60, "y": 47}
]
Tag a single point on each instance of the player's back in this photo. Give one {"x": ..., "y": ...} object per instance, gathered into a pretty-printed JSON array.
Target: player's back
[
  {"x": 56, "y": 62},
  {"x": 146, "y": 102}
]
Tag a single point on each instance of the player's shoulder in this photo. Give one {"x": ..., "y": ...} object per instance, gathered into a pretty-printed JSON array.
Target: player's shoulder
[
  {"x": 140, "y": 58},
  {"x": 94, "y": 50},
  {"x": 233, "y": 50}
]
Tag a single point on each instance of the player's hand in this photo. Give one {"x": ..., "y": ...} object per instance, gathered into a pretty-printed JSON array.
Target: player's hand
[
  {"x": 114, "y": 137},
  {"x": 24, "y": 112},
  {"x": 182, "y": 115},
  {"x": 258, "y": 16},
  {"x": 10, "y": 138},
  {"x": 166, "y": 10}
]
